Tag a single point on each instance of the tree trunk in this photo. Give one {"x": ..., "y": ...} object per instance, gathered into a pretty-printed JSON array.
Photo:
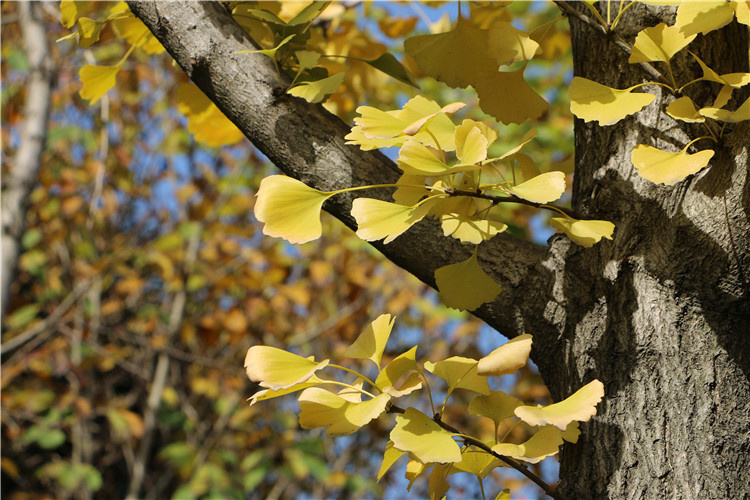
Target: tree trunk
[{"x": 660, "y": 315}]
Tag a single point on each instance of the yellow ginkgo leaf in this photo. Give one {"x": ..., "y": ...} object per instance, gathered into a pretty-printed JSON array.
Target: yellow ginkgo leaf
[
  {"x": 703, "y": 16},
  {"x": 358, "y": 138},
  {"x": 460, "y": 373},
  {"x": 592, "y": 101},
  {"x": 465, "y": 286},
  {"x": 409, "y": 191},
  {"x": 684, "y": 109},
  {"x": 318, "y": 90},
  {"x": 278, "y": 369},
  {"x": 466, "y": 127},
  {"x": 508, "y": 44},
  {"x": 97, "y": 81},
  {"x": 583, "y": 232},
  {"x": 88, "y": 32},
  {"x": 507, "y": 358},
  {"x": 496, "y": 405},
  {"x": 452, "y": 57},
  {"x": 735, "y": 80},
  {"x": 506, "y": 96},
  {"x": 544, "y": 443},
  {"x": 470, "y": 229},
  {"x": 723, "y": 97},
  {"x": 527, "y": 137},
  {"x": 397, "y": 368},
  {"x": 71, "y": 10},
  {"x": 438, "y": 486},
  {"x": 378, "y": 219},
  {"x": 527, "y": 166},
  {"x": 724, "y": 115},
  {"x": 472, "y": 148},
  {"x": 206, "y": 122},
  {"x": 136, "y": 33},
  {"x": 424, "y": 122},
  {"x": 666, "y": 167},
  {"x": 414, "y": 469},
  {"x": 659, "y": 43},
  {"x": 390, "y": 456},
  {"x": 417, "y": 159},
  {"x": 290, "y": 209},
  {"x": 270, "y": 393},
  {"x": 321, "y": 408},
  {"x": 581, "y": 406},
  {"x": 371, "y": 343},
  {"x": 742, "y": 11},
  {"x": 543, "y": 188},
  {"x": 477, "y": 462},
  {"x": 418, "y": 434}
]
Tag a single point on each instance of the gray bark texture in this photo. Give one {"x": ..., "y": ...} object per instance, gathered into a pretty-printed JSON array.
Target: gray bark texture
[
  {"x": 661, "y": 314},
  {"x": 20, "y": 177}
]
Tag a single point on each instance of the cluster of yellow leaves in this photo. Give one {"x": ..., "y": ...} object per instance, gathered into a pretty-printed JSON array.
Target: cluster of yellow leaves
[
  {"x": 428, "y": 442},
  {"x": 444, "y": 165},
  {"x": 592, "y": 101}
]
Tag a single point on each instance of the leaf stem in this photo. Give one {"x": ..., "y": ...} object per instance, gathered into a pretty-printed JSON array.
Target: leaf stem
[
  {"x": 342, "y": 384},
  {"x": 696, "y": 140},
  {"x": 376, "y": 186},
  {"x": 653, "y": 83},
  {"x": 357, "y": 374}
]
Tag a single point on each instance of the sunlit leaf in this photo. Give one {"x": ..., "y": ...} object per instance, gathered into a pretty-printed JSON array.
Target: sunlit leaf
[
  {"x": 465, "y": 286},
  {"x": 583, "y": 232},
  {"x": 467, "y": 127},
  {"x": 418, "y": 434},
  {"x": 417, "y": 159},
  {"x": 290, "y": 209},
  {"x": 735, "y": 80},
  {"x": 396, "y": 27},
  {"x": 581, "y": 406},
  {"x": 477, "y": 462},
  {"x": 414, "y": 469},
  {"x": 437, "y": 484},
  {"x": 544, "y": 443},
  {"x": 407, "y": 193},
  {"x": 659, "y": 43},
  {"x": 506, "y": 96},
  {"x": 71, "y": 11},
  {"x": 742, "y": 113},
  {"x": 459, "y": 373},
  {"x": 742, "y": 11},
  {"x": 527, "y": 137},
  {"x": 205, "y": 121},
  {"x": 507, "y": 44},
  {"x": 507, "y": 358},
  {"x": 703, "y": 16},
  {"x": 309, "y": 13},
  {"x": 496, "y": 405},
  {"x": 684, "y": 109},
  {"x": 136, "y": 33},
  {"x": 371, "y": 343},
  {"x": 390, "y": 456},
  {"x": 592, "y": 101},
  {"x": 543, "y": 188},
  {"x": 395, "y": 370},
  {"x": 270, "y": 393},
  {"x": 470, "y": 229},
  {"x": 322, "y": 408},
  {"x": 97, "y": 81},
  {"x": 318, "y": 90},
  {"x": 378, "y": 219},
  {"x": 471, "y": 148},
  {"x": 666, "y": 167},
  {"x": 88, "y": 32},
  {"x": 424, "y": 122},
  {"x": 278, "y": 369}
]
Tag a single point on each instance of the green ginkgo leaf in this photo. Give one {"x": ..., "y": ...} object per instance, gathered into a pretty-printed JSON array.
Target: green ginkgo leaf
[
  {"x": 684, "y": 109},
  {"x": 496, "y": 405},
  {"x": 270, "y": 53},
  {"x": 270, "y": 393},
  {"x": 592, "y": 101},
  {"x": 724, "y": 115},
  {"x": 307, "y": 59},
  {"x": 583, "y": 232},
  {"x": 421, "y": 436},
  {"x": 659, "y": 43},
  {"x": 470, "y": 229},
  {"x": 666, "y": 167},
  {"x": 508, "y": 44},
  {"x": 322, "y": 408},
  {"x": 459, "y": 373},
  {"x": 581, "y": 406},
  {"x": 465, "y": 286},
  {"x": 97, "y": 81},
  {"x": 278, "y": 369},
  {"x": 543, "y": 188},
  {"x": 371, "y": 343},
  {"x": 390, "y": 456},
  {"x": 703, "y": 16},
  {"x": 289, "y": 209},
  {"x": 735, "y": 80},
  {"x": 544, "y": 443},
  {"x": 317, "y": 90},
  {"x": 507, "y": 358},
  {"x": 378, "y": 219},
  {"x": 388, "y": 64}
]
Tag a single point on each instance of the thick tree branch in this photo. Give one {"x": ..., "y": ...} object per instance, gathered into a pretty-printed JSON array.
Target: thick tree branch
[{"x": 306, "y": 142}]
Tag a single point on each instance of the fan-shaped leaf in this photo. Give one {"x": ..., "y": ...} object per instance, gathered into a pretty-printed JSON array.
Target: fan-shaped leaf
[
  {"x": 583, "y": 232},
  {"x": 460, "y": 373},
  {"x": 418, "y": 434},
  {"x": 592, "y": 101},
  {"x": 465, "y": 285},
  {"x": 371, "y": 343},
  {"x": 378, "y": 219},
  {"x": 581, "y": 406},
  {"x": 659, "y": 43},
  {"x": 684, "y": 109},
  {"x": 666, "y": 167},
  {"x": 507, "y": 358},
  {"x": 278, "y": 369},
  {"x": 318, "y": 90},
  {"x": 321, "y": 408},
  {"x": 97, "y": 81},
  {"x": 543, "y": 188},
  {"x": 496, "y": 405}
]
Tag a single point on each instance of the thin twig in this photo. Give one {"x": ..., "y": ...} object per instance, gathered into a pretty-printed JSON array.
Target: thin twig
[{"x": 515, "y": 199}]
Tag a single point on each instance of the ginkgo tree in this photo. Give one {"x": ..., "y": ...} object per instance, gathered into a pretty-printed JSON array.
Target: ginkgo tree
[{"x": 646, "y": 289}]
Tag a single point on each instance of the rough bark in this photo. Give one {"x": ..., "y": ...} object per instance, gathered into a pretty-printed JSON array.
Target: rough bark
[
  {"x": 20, "y": 177},
  {"x": 660, "y": 314}
]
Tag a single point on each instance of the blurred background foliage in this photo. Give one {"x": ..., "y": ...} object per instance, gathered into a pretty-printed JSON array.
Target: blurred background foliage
[{"x": 144, "y": 276}]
